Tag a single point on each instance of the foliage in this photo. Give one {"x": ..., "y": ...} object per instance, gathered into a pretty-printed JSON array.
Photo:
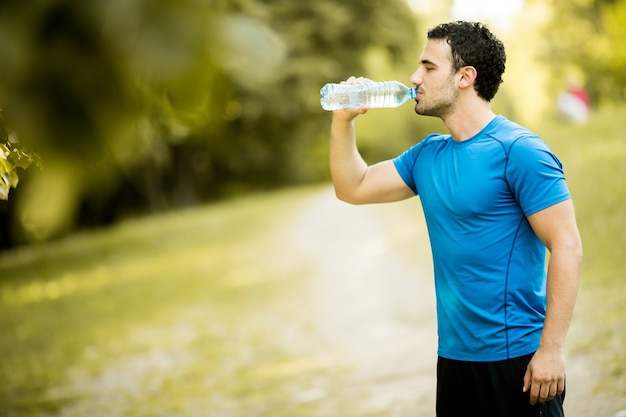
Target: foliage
[
  {"x": 12, "y": 157},
  {"x": 157, "y": 104},
  {"x": 587, "y": 35}
]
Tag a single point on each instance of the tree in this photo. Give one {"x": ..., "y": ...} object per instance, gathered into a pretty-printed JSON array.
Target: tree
[
  {"x": 136, "y": 105},
  {"x": 588, "y": 35}
]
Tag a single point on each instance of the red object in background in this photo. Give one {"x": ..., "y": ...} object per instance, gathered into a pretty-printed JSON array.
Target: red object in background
[{"x": 581, "y": 94}]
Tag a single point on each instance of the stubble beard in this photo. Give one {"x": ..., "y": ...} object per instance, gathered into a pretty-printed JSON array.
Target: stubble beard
[
  {"x": 441, "y": 107},
  {"x": 439, "y": 110}
]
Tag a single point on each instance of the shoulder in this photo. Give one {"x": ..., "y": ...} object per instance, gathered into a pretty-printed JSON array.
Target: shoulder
[
  {"x": 431, "y": 142},
  {"x": 509, "y": 133},
  {"x": 516, "y": 140},
  {"x": 434, "y": 140},
  {"x": 423, "y": 151}
]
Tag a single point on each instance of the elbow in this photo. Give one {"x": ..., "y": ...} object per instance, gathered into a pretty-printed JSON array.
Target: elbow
[
  {"x": 569, "y": 250},
  {"x": 578, "y": 251},
  {"x": 574, "y": 248},
  {"x": 347, "y": 197}
]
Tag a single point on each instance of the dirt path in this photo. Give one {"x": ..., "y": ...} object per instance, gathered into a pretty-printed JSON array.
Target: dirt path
[
  {"x": 374, "y": 307},
  {"x": 377, "y": 304}
]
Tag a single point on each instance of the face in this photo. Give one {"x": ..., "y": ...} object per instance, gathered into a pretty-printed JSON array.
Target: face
[{"x": 435, "y": 82}]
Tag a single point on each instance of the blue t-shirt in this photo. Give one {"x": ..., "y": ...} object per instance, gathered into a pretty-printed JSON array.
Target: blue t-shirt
[{"x": 489, "y": 265}]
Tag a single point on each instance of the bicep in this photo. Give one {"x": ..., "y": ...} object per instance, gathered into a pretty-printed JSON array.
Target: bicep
[
  {"x": 382, "y": 184},
  {"x": 556, "y": 225}
]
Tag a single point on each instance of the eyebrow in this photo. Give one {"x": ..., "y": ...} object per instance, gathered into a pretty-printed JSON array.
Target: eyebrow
[{"x": 427, "y": 62}]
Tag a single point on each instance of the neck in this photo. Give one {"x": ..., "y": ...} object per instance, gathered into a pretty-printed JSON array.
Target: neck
[{"x": 468, "y": 118}]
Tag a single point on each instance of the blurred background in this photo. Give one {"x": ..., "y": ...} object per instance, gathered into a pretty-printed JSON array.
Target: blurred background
[
  {"x": 132, "y": 107},
  {"x": 145, "y": 140}
]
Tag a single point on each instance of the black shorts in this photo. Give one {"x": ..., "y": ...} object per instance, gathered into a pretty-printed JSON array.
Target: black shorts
[{"x": 489, "y": 389}]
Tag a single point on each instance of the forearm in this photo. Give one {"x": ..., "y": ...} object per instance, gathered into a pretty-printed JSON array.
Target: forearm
[
  {"x": 556, "y": 227},
  {"x": 347, "y": 167},
  {"x": 562, "y": 287}
]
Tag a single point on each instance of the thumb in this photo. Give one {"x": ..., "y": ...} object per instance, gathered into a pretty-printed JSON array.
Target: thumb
[{"x": 527, "y": 379}]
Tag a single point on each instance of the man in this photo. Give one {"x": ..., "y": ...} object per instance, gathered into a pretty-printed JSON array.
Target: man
[{"x": 494, "y": 198}]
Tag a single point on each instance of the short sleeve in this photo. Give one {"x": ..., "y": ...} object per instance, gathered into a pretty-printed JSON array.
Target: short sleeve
[
  {"x": 535, "y": 175},
  {"x": 404, "y": 164}
]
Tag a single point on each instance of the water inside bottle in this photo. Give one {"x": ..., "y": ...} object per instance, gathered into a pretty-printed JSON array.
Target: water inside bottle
[{"x": 373, "y": 95}]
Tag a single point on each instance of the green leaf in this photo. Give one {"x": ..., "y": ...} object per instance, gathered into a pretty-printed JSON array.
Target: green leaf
[
  {"x": 4, "y": 151},
  {"x": 22, "y": 159},
  {"x": 4, "y": 192},
  {"x": 12, "y": 158},
  {"x": 8, "y": 178}
]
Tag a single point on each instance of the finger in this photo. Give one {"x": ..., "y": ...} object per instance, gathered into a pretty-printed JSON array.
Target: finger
[
  {"x": 527, "y": 379},
  {"x": 560, "y": 389},
  {"x": 544, "y": 392},
  {"x": 534, "y": 393},
  {"x": 552, "y": 392}
]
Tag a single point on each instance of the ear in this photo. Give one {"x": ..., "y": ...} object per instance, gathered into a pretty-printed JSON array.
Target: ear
[{"x": 468, "y": 75}]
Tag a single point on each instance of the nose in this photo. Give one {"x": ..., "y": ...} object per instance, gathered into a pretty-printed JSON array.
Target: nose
[{"x": 416, "y": 78}]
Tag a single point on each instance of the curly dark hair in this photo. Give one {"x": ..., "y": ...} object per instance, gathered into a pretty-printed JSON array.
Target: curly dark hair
[{"x": 473, "y": 44}]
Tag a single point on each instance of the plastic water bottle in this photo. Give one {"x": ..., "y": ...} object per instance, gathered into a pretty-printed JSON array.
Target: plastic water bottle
[{"x": 372, "y": 95}]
